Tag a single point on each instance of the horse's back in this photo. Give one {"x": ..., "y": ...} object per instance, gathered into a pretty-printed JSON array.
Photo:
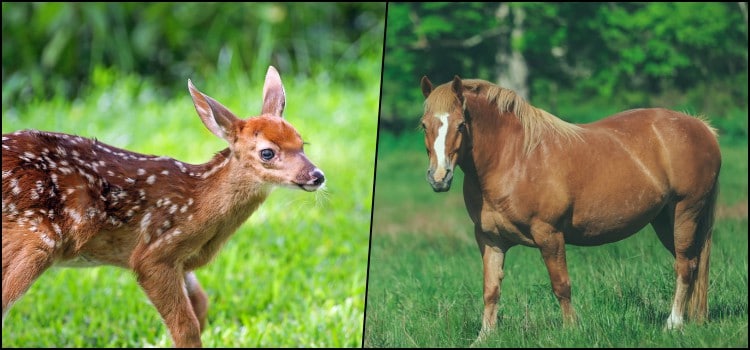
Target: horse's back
[{"x": 686, "y": 147}]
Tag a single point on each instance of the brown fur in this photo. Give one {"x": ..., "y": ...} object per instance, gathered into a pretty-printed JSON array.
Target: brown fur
[
  {"x": 73, "y": 201},
  {"x": 534, "y": 180}
]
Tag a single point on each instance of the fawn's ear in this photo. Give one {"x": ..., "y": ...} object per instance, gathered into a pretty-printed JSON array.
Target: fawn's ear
[
  {"x": 274, "y": 98},
  {"x": 217, "y": 118},
  {"x": 426, "y": 86}
]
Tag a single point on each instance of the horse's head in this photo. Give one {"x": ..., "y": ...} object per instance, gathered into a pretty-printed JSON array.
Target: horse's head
[{"x": 445, "y": 129}]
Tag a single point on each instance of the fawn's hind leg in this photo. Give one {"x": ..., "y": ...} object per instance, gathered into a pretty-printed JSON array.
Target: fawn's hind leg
[
  {"x": 198, "y": 298},
  {"x": 27, "y": 253}
]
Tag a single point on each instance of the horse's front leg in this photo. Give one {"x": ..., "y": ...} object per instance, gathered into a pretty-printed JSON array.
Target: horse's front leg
[
  {"x": 493, "y": 259},
  {"x": 551, "y": 243}
]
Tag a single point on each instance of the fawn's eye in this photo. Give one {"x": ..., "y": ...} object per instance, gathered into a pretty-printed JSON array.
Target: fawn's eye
[
  {"x": 462, "y": 126},
  {"x": 266, "y": 154}
]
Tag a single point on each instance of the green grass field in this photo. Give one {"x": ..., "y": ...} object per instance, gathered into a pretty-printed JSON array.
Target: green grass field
[
  {"x": 294, "y": 275},
  {"x": 425, "y": 275}
]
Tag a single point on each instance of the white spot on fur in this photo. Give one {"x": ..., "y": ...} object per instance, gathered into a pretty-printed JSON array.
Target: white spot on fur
[
  {"x": 151, "y": 179},
  {"x": 215, "y": 169},
  {"x": 48, "y": 241},
  {"x": 76, "y": 216},
  {"x": 141, "y": 172},
  {"x": 14, "y": 187},
  {"x": 145, "y": 221},
  {"x": 181, "y": 166}
]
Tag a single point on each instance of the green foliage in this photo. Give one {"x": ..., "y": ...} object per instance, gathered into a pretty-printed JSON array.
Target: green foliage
[
  {"x": 53, "y": 48},
  {"x": 597, "y": 54},
  {"x": 425, "y": 275}
]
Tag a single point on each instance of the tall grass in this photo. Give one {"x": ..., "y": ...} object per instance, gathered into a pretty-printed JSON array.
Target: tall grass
[
  {"x": 425, "y": 274},
  {"x": 294, "y": 274}
]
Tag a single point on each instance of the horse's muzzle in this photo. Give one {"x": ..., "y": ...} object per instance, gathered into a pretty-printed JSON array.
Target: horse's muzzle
[{"x": 443, "y": 184}]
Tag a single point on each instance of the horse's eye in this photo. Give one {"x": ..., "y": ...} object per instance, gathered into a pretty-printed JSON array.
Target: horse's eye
[{"x": 266, "y": 154}]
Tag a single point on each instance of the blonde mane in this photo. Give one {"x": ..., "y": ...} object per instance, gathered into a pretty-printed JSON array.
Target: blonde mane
[{"x": 536, "y": 123}]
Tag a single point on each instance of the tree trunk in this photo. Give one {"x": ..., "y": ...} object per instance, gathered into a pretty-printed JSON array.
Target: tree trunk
[{"x": 512, "y": 71}]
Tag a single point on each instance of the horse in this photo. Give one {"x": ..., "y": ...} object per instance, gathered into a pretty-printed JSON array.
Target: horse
[{"x": 533, "y": 179}]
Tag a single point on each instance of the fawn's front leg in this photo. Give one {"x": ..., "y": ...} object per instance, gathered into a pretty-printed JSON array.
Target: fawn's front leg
[{"x": 164, "y": 283}]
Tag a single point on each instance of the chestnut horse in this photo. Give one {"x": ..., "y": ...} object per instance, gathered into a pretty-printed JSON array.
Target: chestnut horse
[{"x": 533, "y": 179}]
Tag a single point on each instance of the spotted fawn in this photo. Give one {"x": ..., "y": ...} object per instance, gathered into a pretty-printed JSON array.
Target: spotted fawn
[{"x": 73, "y": 201}]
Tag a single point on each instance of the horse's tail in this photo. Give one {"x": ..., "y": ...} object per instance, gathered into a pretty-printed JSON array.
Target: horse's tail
[{"x": 698, "y": 294}]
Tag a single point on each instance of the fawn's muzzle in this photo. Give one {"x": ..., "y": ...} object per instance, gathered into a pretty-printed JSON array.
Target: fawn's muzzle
[{"x": 313, "y": 181}]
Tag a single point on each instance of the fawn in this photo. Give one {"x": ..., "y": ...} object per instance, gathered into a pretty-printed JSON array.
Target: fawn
[{"x": 72, "y": 201}]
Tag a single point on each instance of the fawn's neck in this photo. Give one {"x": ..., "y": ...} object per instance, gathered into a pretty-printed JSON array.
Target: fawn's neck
[
  {"x": 198, "y": 208},
  {"x": 221, "y": 189}
]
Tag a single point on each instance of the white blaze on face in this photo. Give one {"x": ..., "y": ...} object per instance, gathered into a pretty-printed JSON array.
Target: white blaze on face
[
  {"x": 439, "y": 147},
  {"x": 442, "y": 167}
]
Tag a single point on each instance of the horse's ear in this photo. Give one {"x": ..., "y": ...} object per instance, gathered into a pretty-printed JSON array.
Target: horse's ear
[
  {"x": 458, "y": 88},
  {"x": 426, "y": 86}
]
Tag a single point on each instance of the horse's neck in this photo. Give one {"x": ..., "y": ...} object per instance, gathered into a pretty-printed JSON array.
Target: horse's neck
[{"x": 497, "y": 140}]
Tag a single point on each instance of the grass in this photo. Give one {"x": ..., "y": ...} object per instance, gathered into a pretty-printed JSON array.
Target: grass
[
  {"x": 294, "y": 275},
  {"x": 425, "y": 284}
]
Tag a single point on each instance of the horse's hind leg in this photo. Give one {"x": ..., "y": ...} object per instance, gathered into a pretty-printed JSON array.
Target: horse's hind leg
[
  {"x": 663, "y": 225},
  {"x": 27, "y": 254},
  {"x": 692, "y": 246}
]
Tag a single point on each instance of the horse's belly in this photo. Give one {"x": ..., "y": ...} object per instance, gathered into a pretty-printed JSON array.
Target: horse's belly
[{"x": 607, "y": 227}]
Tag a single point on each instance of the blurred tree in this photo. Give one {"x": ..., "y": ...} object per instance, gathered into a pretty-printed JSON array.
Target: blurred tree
[
  {"x": 631, "y": 54},
  {"x": 54, "y": 47}
]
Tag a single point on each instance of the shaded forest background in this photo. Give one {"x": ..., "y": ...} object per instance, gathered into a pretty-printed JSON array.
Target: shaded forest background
[
  {"x": 54, "y": 48},
  {"x": 580, "y": 61}
]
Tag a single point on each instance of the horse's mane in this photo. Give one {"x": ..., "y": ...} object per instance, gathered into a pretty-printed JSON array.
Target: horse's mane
[{"x": 536, "y": 123}]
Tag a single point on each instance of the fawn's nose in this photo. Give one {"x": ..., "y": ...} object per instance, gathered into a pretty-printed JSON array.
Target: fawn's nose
[{"x": 318, "y": 177}]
